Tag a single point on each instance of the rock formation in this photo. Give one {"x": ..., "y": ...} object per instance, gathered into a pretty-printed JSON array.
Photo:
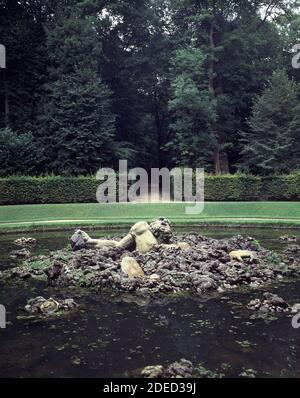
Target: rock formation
[
  {"x": 20, "y": 253},
  {"x": 269, "y": 303},
  {"x": 25, "y": 242},
  {"x": 180, "y": 369},
  {"x": 143, "y": 263},
  {"x": 46, "y": 307}
]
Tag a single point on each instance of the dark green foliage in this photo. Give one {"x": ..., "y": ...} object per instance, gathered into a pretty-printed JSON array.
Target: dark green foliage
[
  {"x": 77, "y": 125},
  {"x": 18, "y": 153},
  {"x": 52, "y": 189},
  {"x": 286, "y": 187},
  {"x": 239, "y": 51},
  {"x": 23, "y": 34},
  {"x": 273, "y": 142},
  {"x": 192, "y": 111},
  {"x": 135, "y": 65},
  {"x": 80, "y": 123},
  {"x": 238, "y": 187},
  {"x": 156, "y": 82}
]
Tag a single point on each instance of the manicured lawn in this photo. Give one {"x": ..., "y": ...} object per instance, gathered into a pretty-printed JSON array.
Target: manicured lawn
[{"x": 62, "y": 215}]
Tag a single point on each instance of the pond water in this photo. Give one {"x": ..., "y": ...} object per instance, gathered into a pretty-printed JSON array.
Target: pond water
[{"x": 114, "y": 335}]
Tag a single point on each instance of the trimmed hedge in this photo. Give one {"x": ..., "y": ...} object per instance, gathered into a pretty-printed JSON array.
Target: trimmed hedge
[
  {"x": 233, "y": 188},
  {"x": 238, "y": 187},
  {"x": 53, "y": 189}
]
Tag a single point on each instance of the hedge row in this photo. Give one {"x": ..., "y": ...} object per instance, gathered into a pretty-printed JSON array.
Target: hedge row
[
  {"x": 240, "y": 187},
  {"x": 54, "y": 189}
]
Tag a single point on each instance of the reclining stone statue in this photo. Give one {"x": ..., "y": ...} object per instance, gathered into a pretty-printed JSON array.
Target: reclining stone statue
[{"x": 140, "y": 237}]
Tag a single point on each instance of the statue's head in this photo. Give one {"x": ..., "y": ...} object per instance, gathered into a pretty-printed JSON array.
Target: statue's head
[
  {"x": 161, "y": 229},
  {"x": 79, "y": 240}
]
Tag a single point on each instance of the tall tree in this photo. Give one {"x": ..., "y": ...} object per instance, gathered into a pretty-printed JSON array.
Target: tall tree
[
  {"x": 192, "y": 109},
  {"x": 273, "y": 144},
  {"x": 22, "y": 32},
  {"x": 136, "y": 51},
  {"x": 288, "y": 25},
  {"x": 77, "y": 124},
  {"x": 240, "y": 49}
]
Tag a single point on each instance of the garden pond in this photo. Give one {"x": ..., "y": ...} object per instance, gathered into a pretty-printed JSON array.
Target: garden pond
[{"x": 115, "y": 335}]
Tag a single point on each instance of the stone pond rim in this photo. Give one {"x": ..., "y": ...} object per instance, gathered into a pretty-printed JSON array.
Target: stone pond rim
[{"x": 45, "y": 226}]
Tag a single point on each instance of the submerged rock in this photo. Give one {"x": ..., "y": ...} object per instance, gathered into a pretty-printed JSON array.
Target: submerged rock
[
  {"x": 25, "y": 242},
  {"x": 19, "y": 272},
  {"x": 269, "y": 303},
  {"x": 180, "y": 369},
  {"x": 295, "y": 308},
  {"x": 20, "y": 253},
  {"x": 293, "y": 251},
  {"x": 46, "y": 307},
  {"x": 153, "y": 372},
  {"x": 288, "y": 238}
]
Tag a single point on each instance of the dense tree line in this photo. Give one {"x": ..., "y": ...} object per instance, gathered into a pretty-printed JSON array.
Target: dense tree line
[{"x": 199, "y": 83}]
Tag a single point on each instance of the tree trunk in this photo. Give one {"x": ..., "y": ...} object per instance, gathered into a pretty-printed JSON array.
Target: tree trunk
[
  {"x": 159, "y": 129},
  {"x": 221, "y": 164},
  {"x": 217, "y": 165},
  {"x": 224, "y": 163},
  {"x": 211, "y": 70},
  {"x": 6, "y": 104},
  {"x": 211, "y": 87}
]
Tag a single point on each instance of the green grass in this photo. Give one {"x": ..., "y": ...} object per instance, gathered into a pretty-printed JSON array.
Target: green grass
[{"x": 66, "y": 215}]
